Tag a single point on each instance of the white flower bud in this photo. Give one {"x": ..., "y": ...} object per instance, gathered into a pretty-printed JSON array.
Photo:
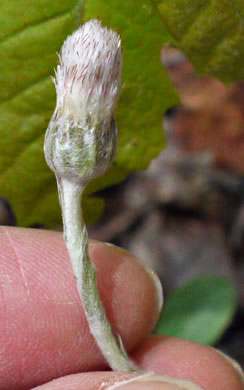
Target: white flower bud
[
  {"x": 81, "y": 139},
  {"x": 89, "y": 74}
]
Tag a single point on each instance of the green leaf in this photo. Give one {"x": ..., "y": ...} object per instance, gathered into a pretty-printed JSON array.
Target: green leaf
[
  {"x": 199, "y": 311},
  {"x": 210, "y": 33},
  {"x": 31, "y": 32}
]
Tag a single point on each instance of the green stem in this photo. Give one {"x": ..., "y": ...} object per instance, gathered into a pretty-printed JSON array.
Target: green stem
[{"x": 75, "y": 234}]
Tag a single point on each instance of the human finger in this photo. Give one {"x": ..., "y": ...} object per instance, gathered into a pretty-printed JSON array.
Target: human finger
[
  {"x": 177, "y": 365},
  {"x": 114, "y": 381},
  {"x": 43, "y": 331},
  {"x": 183, "y": 359}
]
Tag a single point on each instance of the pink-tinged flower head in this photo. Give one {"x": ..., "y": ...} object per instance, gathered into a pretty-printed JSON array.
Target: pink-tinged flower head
[
  {"x": 88, "y": 77},
  {"x": 80, "y": 141}
]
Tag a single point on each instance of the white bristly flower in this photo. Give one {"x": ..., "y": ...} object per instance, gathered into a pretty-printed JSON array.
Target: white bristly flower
[
  {"x": 81, "y": 138},
  {"x": 88, "y": 77}
]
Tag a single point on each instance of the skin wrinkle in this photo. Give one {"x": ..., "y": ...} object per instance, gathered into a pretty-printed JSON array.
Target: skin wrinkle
[
  {"x": 18, "y": 261},
  {"x": 3, "y": 300}
]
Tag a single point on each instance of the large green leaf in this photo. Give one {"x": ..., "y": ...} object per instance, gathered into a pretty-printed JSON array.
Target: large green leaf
[
  {"x": 211, "y": 33},
  {"x": 199, "y": 311},
  {"x": 31, "y": 32}
]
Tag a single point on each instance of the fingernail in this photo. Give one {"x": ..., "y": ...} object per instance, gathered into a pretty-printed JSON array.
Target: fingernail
[
  {"x": 234, "y": 364},
  {"x": 154, "y": 277},
  {"x": 153, "y": 382},
  {"x": 158, "y": 287}
]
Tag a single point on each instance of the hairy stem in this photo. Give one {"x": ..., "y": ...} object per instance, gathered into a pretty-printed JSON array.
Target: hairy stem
[{"x": 75, "y": 234}]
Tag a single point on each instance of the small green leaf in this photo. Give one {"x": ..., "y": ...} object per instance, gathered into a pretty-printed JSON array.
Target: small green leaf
[
  {"x": 210, "y": 33},
  {"x": 199, "y": 311},
  {"x": 31, "y": 32}
]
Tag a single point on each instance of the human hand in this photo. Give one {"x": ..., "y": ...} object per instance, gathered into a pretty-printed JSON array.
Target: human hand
[{"x": 44, "y": 333}]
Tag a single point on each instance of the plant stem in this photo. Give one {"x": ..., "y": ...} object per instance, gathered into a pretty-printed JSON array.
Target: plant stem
[{"x": 75, "y": 234}]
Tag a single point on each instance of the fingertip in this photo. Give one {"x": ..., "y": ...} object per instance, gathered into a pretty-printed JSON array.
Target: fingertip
[
  {"x": 134, "y": 315},
  {"x": 187, "y": 360}
]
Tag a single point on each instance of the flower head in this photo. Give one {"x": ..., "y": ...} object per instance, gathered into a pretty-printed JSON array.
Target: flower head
[
  {"x": 88, "y": 77},
  {"x": 80, "y": 141}
]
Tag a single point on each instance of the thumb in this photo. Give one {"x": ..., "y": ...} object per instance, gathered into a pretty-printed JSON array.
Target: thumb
[
  {"x": 118, "y": 381},
  {"x": 148, "y": 382}
]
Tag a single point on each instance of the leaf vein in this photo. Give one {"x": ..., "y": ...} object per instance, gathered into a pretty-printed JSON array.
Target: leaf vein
[
  {"x": 19, "y": 93},
  {"x": 196, "y": 18},
  {"x": 29, "y": 26}
]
